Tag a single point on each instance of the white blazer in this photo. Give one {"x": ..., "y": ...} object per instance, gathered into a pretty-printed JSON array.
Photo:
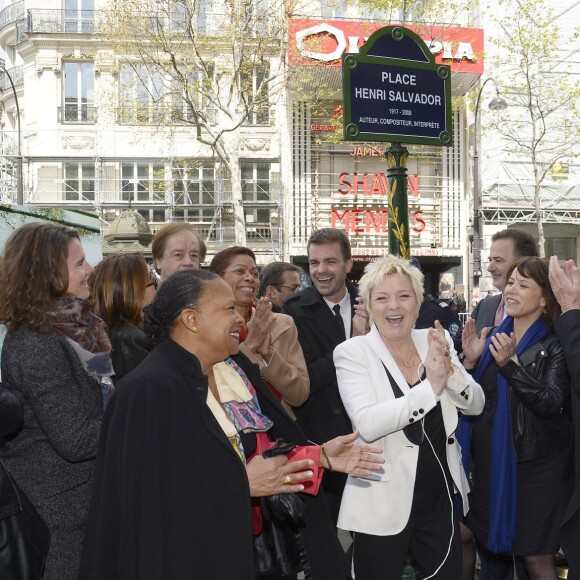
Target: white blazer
[{"x": 381, "y": 504}]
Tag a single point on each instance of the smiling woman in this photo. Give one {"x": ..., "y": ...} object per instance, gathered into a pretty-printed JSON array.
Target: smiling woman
[
  {"x": 169, "y": 492},
  {"x": 402, "y": 389},
  {"x": 269, "y": 339},
  {"x": 521, "y": 443},
  {"x": 55, "y": 358}
]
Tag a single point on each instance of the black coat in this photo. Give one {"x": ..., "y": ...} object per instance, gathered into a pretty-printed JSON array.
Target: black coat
[
  {"x": 539, "y": 399},
  {"x": 433, "y": 309},
  {"x": 171, "y": 498},
  {"x": 323, "y": 415},
  {"x": 10, "y": 419},
  {"x": 567, "y": 328},
  {"x": 325, "y": 553},
  {"x": 129, "y": 348}
]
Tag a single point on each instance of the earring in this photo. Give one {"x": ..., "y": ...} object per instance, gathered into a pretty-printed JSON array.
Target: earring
[
  {"x": 194, "y": 329},
  {"x": 544, "y": 312}
]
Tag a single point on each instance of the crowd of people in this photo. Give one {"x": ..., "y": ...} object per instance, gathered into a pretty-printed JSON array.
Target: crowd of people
[{"x": 177, "y": 422}]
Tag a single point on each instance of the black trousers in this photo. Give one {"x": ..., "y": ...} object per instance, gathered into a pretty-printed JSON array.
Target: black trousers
[{"x": 427, "y": 537}]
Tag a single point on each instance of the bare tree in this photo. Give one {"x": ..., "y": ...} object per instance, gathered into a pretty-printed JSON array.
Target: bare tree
[
  {"x": 213, "y": 66},
  {"x": 541, "y": 125}
]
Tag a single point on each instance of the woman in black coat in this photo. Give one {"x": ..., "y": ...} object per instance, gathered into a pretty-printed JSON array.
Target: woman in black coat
[
  {"x": 521, "y": 444},
  {"x": 172, "y": 498}
]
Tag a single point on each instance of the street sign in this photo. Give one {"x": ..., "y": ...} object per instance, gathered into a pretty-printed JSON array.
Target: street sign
[{"x": 394, "y": 91}]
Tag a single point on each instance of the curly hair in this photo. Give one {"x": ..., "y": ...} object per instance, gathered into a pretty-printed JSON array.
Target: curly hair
[
  {"x": 224, "y": 258},
  {"x": 34, "y": 274},
  {"x": 183, "y": 289},
  {"x": 118, "y": 285}
]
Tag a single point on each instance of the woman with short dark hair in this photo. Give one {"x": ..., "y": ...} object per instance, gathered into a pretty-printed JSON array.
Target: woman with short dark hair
[
  {"x": 520, "y": 445},
  {"x": 56, "y": 358},
  {"x": 269, "y": 339}
]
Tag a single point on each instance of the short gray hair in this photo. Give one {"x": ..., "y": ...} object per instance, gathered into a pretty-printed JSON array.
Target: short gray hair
[{"x": 375, "y": 272}]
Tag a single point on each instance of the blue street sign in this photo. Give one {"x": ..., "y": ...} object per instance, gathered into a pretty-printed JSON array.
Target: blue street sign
[{"x": 394, "y": 91}]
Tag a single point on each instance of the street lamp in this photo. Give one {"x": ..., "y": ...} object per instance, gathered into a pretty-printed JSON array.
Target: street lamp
[
  {"x": 498, "y": 103},
  {"x": 20, "y": 184}
]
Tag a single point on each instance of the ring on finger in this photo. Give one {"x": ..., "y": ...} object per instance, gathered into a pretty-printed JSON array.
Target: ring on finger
[{"x": 287, "y": 480}]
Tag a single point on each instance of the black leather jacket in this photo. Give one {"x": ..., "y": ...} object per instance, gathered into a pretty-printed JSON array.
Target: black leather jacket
[
  {"x": 539, "y": 391},
  {"x": 130, "y": 346}
]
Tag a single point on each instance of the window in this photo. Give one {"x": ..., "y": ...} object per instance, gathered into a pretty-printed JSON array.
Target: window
[
  {"x": 79, "y": 181},
  {"x": 79, "y": 16},
  {"x": 256, "y": 192},
  {"x": 144, "y": 182},
  {"x": 142, "y": 90},
  {"x": 564, "y": 248},
  {"x": 193, "y": 185},
  {"x": 79, "y": 88},
  {"x": 254, "y": 87},
  {"x": 191, "y": 92}
]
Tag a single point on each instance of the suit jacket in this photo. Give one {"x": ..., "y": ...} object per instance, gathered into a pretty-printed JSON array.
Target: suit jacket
[
  {"x": 52, "y": 456},
  {"x": 286, "y": 371},
  {"x": 381, "y": 505},
  {"x": 484, "y": 312},
  {"x": 322, "y": 416},
  {"x": 171, "y": 499},
  {"x": 567, "y": 329}
]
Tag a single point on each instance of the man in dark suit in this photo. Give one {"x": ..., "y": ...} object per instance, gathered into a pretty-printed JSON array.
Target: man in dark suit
[
  {"x": 507, "y": 246},
  {"x": 324, "y": 315},
  {"x": 565, "y": 284}
]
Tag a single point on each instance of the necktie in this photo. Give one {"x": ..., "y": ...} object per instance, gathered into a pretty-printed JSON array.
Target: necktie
[{"x": 339, "y": 321}]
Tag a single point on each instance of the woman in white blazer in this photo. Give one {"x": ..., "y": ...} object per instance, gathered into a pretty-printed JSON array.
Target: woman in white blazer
[{"x": 402, "y": 389}]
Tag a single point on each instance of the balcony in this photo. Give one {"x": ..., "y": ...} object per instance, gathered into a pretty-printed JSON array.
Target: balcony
[
  {"x": 17, "y": 75},
  {"x": 12, "y": 13},
  {"x": 73, "y": 114},
  {"x": 42, "y": 20}
]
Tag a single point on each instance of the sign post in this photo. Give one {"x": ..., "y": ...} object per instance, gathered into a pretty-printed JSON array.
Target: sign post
[{"x": 395, "y": 92}]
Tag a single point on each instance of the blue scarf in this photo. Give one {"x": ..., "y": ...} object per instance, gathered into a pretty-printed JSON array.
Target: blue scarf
[{"x": 504, "y": 471}]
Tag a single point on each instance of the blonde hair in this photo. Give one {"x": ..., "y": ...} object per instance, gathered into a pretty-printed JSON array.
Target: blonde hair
[{"x": 375, "y": 273}]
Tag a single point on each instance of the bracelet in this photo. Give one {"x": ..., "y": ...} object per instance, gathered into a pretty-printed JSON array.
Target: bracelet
[{"x": 326, "y": 457}]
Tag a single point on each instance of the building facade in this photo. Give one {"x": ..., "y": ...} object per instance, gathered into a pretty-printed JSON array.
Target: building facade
[{"x": 90, "y": 139}]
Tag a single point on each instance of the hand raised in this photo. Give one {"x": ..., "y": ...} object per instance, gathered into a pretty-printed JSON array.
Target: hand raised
[
  {"x": 502, "y": 347},
  {"x": 472, "y": 344},
  {"x": 565, "y": 283},
  {"x": 438, "y": 360},
  {"x": 259, "y": 326}
]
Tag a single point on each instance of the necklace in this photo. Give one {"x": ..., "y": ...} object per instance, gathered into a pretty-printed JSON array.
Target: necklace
[{"x": 407, "y": 363}]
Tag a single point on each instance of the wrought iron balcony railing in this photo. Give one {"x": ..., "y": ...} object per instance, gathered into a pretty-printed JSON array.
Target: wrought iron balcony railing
[
  {"x": 17, "y": 75},
  {"x": 77, "y": 114},
  {"x": 12, "y": 13},
  {"x": 61, "y": 21}
]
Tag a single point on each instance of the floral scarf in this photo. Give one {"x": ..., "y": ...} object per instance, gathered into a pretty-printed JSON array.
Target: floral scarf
[{"x": 87, "y": 334}]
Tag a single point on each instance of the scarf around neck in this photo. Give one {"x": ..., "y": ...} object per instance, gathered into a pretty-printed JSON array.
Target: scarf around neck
[
  {"x": 504, "y": 471},
  {"x": 87, "y": 334}
]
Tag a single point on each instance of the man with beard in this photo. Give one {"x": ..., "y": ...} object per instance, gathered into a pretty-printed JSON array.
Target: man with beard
[{"x": 324, "y": 316}]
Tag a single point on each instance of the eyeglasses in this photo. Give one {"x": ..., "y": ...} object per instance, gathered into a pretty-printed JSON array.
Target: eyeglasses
[{"x": 294, "y": 287}]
